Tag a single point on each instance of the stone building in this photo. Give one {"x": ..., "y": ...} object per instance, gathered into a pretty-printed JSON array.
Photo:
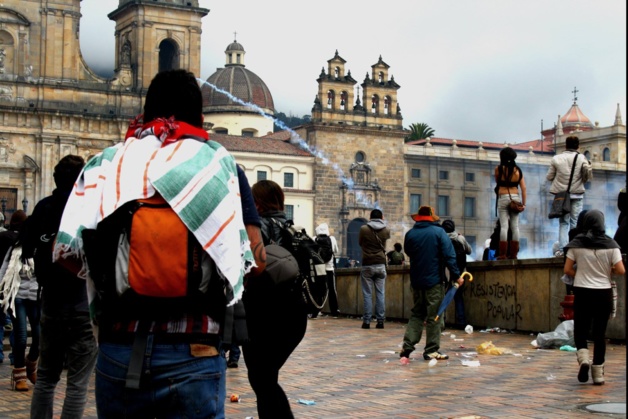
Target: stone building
[
  {"x": 53, "y": 104},
  {"x": 374, "y": 168},
  {"x": 349, "y": 159}
]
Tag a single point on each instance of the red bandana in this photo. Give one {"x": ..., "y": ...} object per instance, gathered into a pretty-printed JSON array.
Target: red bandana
[{"x": 167, "y": 130}]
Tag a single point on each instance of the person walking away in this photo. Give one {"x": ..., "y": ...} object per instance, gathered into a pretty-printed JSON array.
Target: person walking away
[
  {"x": 372, "y": 239},
  {"x": 592, "y": 257},
  {"x": 462, "y": 249},
  {"x": 149, "y": 358},
  {"x": 395, "y": 257},
  {"x": 66, "y": 331},
  {"x": 17, "y": 274},
  {"x": 276, "y": 316},
  {"x": 323, "y": 238},
  {"x": 428, "y": 247},
  {"x": 509, "y": 179},
  {"x": 559, "y": 173}
]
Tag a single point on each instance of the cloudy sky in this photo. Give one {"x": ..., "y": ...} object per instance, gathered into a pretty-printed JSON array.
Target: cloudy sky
[{"x": 486, "y": 70}]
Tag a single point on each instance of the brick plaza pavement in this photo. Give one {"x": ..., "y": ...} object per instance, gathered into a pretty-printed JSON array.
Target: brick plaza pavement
[{"x": 349, "y": 372}]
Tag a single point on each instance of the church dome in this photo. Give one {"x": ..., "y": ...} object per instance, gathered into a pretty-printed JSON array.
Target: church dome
[
  {"x": 239, "y": 82},
  {"x": 574, "y": 116},
  {"x": 235, "y": 46}
]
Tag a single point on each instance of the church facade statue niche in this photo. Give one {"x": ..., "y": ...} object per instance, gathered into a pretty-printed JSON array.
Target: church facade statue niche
[{"x": 360, "y": 194}]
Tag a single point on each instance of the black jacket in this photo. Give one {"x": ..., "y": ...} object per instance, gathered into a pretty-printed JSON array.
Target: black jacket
[{"x": 62, "y": 290}]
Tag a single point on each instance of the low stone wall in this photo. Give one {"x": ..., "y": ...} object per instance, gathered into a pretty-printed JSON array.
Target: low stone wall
[{"x": 522, "y": 295}]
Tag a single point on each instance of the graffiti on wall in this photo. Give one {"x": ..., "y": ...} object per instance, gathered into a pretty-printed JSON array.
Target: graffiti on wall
[{"x": 501, "y": 299}]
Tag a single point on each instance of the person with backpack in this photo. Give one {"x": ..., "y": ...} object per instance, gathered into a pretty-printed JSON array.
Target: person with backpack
[
  {"x": 396, "y": 257},
  {"x": 372, "y": 239},
  {"x": 329, "y": 250},
  {"x": 160, "y": 315},
  {"x": 20, "y": 291},
  {"x": 66, "y": 331},
  {"x": 276, "y": 316},
  {"x": 462, "y": 249}
]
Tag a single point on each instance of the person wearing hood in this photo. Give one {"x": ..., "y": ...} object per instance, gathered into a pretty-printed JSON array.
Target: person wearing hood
[
  {"x": 598, "y": 257},
  {"x": 323, "y": 236},
  {"x": 428, "y": 247},
  {"x": 462, "y": 248},
  {"x": 372, "y": 239}
]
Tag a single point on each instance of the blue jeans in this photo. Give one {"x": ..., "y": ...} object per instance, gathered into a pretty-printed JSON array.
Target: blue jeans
[
  {"x": 568, "y": 221},
  {"x": 174, "y": 383},
  {"x": 374, "y": 275},
  {"x": 25, "y": 310},
  {"x": 71, "y": 336}
]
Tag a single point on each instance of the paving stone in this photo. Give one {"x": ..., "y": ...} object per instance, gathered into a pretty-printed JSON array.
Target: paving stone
[{"x": 325, "y": 368}]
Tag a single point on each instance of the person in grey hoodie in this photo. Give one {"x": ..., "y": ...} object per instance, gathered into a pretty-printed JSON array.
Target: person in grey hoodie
[{"x": 372, "y": 239}]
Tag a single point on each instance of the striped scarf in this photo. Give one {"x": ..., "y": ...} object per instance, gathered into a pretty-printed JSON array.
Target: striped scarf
[{"x": 197, "y": 177}]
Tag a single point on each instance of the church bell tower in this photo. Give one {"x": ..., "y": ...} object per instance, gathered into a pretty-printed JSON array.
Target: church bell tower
[{"x": 156, "y": 35}]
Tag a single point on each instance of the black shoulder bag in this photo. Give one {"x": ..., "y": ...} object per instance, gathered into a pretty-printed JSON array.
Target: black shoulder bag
[{"x": 562, "y": 201}]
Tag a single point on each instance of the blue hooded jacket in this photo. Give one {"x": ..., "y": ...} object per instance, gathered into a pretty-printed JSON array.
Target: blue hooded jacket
[{"x": 429, "y": 247}]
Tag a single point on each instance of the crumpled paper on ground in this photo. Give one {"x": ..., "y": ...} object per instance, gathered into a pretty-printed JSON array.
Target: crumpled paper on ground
[{"x": 487, "y": 348}]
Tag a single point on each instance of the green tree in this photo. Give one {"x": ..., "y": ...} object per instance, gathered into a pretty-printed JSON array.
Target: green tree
[
  {"x": 419, "y": 132},
  {"x": 290, "y": 121}
]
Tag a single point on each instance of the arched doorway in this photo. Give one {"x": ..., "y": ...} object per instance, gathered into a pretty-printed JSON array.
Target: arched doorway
[
  {"x": 168, "y": 55},
  {"x": 353, "y": 231}
]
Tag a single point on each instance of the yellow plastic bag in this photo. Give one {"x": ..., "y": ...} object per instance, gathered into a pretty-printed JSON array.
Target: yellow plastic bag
[{"x": 487, "y": 348}]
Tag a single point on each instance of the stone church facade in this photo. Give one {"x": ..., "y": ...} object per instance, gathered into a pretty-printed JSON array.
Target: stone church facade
[{"x": 53, "y": 104}]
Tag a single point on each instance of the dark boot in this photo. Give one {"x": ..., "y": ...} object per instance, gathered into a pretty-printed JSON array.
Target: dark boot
[
  {"x": 501, "y": 252},
  {"x": 514, "y": 249},
  {"x": 31, "y": 370}
]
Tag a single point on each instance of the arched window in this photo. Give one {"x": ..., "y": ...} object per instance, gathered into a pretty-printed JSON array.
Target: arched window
[
  {"x": 374, "y": 103},
  {"x": 330, "y": 99},
  {"x": 380, "y": 77},
  {"x": 337, "y": 72},
  {"x": 168, "y": 55},
  {"x": 606, "y": 154},
  {"x": 386, "y": 105},
  {"x": 343, "y": 100}
]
